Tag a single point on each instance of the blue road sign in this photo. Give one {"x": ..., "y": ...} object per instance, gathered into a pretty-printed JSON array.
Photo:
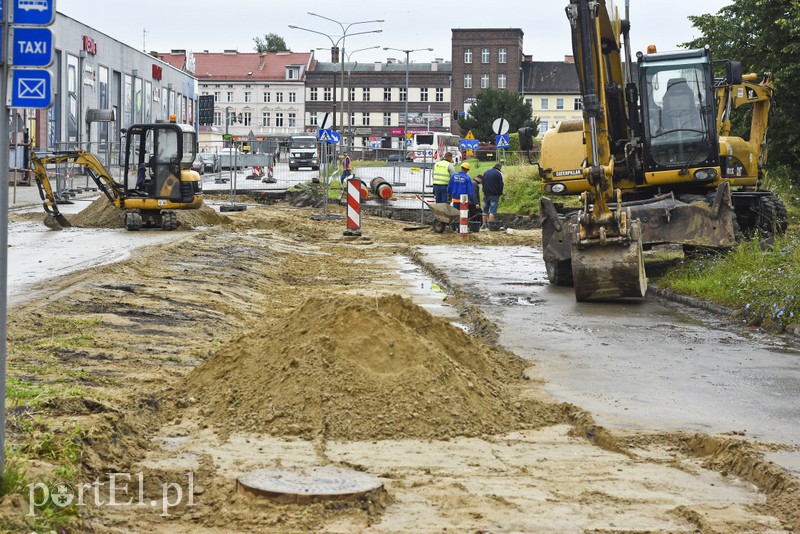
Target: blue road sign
[
  {"x": 501, "y": 141},
  {"x": 34, "y": 12},
  {"x": 31, "y": 88},
  {"x": 31, "y": 47},
  {"x": 324, "y": 135},
  {"x": 469, "y": 144},
  {"x": 336, "y": 138}
]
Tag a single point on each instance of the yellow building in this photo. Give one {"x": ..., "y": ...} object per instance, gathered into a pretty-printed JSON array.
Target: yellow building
[{"x": 552, "y": 89}]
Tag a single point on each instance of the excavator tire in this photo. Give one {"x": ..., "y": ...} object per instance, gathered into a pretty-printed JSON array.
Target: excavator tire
[
  {"x": 133, "y": 221},
  {"x": 559, "y": 272},
  {"x": 771, "y": 218},
  {"x": 169, "y": 220}
]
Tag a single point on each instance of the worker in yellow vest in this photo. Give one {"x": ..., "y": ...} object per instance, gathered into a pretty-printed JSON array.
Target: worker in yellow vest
[{"x": 442, "y": 172}]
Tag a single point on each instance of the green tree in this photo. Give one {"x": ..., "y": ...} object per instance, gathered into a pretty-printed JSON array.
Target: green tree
[
  {"x": 494, "y": 104},
  {"x": 765, "y": 36},
  {"x": 272, "y": 42}
]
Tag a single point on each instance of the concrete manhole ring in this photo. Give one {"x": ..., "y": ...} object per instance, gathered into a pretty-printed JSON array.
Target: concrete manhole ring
[{"x": 308, "y": 484}]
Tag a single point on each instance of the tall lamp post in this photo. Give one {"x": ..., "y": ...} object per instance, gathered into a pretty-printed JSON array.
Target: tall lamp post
[
  {"x": 407, "y": 53},
  {"x": 335, "y": 47}
]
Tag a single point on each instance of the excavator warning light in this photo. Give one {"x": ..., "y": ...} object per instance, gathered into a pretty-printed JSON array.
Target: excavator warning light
[
  {"x": 651, "y": 49},
  {"x": 173, "y": 118}
]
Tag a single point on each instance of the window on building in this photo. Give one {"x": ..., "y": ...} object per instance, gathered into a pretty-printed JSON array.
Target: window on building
[
  {"x": 312, "y": 93},
  {"x": 267, "y": 97},
  {"x": 502, "y": 55},
  {"x": 217, "y": 96},
  {"x": 559, "y": 103},
  {"x": 352, "y": 95},
  {"x": 312, "y": 119},
  {"x": 365, "y": 119},
  {"x": 247, "y": 118},
  {"x": 440, "y": 94},
  {"x": 501, "y": 81},
  {"x": 484, "y": 55},
  {"x": 279, "y": 119},
  {"x": 467, "y": 55},
  {"x": 423, "y": 94},
  {"x": 292, "y": 73},
  {"x": 468, "y": 81},
  {"x": 266, "y": 119},
  {"x": 387, "y": 119},
  {"x": 544, "y": 103},
  {"x": 365, "y": 94},
  {"x": 230, "y": 96},
  {"x": 529, "y": 101},
  {"x": 278, "y": 97},
  {"x": 484, "y": 81},
  {"x": 292, "y": 120},
  {"x": 292, "y": 96},
  {"x": 403, "y": 95},
  {"x": 543, "y": 126},
  {"x": 327, "y": 94},
  {"x": 577, "y": 104},
  {"x": 387, "y": 94},
  {"x": 217, "y": 118},
  {"x": 248, "y": 96}
]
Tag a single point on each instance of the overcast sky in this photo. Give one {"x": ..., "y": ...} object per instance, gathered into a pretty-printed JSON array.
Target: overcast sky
[{"x": 217, "y": 25}]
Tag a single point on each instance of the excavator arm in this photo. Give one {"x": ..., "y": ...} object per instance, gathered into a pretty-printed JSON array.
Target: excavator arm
[{"x": 54, "y": 219}]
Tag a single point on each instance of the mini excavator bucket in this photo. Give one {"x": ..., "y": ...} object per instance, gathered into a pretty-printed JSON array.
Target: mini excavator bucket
[{"x": 56, "y": 221}]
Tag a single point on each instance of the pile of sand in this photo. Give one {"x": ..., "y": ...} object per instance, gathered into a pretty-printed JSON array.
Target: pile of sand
[
  {"x": 103, "y": 214},
  {"x": 362, "y": 368}
]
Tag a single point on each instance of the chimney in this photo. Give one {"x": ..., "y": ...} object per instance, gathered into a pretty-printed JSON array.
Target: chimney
[
  {"x": 527, "y": 57},
  {"x": 434, "y": 65},
  {"x": 378, "y": 66},
  {"x": 262, "y": 59},
  {"x": 569, "y": 59}
]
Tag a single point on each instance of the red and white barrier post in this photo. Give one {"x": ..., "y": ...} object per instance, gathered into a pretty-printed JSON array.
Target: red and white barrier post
[
  {"x": 353, "y": 207},
  {"x": 463, "y": 227}
]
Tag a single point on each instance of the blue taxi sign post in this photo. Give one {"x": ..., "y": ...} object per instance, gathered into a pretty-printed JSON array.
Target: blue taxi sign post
[{"x": 31, "y": 47}]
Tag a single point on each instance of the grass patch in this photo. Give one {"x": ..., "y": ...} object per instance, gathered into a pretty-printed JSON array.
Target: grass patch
[
  {"x": 31, "y": 393},
  {"x": 762, "y": 283}
]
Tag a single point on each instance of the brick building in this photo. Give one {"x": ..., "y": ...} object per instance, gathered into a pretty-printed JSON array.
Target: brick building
[
  {"x": 484, "y": 58},
  {"x": 373, "y": 108}
]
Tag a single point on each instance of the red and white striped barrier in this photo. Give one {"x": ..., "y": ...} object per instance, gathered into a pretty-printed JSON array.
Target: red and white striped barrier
[
  {"x": 463, "y": 227},
  {"x": 354, "y": 190}
]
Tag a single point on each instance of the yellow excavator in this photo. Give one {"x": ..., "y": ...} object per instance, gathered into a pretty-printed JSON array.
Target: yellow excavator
[
  {"x": 652, "y": 159},
  {"x": 157, "y": 178}
]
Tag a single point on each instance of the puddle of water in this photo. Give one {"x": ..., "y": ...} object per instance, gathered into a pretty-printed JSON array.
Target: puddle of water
[{"x": 424, "y": 291}]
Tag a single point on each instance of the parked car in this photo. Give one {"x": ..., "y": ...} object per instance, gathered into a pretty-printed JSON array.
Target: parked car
[
  {"x": 197, "y": 164},
  {"x": 210, "y": 162},
  {"x": 398, "y": 157},
  {"x": 486, "y": 152}
]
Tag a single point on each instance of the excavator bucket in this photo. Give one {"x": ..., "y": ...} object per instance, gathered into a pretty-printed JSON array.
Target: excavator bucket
[
  {"x": 56, "y": 222},
  {"x": 610, "y": 271}
]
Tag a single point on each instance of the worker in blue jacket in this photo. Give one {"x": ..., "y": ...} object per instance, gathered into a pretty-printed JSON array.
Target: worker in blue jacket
[{"x": 460, "y": 184}]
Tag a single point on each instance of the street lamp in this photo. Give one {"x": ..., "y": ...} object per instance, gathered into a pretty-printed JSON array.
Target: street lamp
[
  {"x": 407, "y": 53},
  {"x": 349, "y": 115},
  {"x": 335, "y": 46}
]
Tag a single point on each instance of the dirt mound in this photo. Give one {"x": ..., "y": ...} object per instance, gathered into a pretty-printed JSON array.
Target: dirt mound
[
  {"x": 362, "y": 368},
  {"x": 103, "y": 214}
]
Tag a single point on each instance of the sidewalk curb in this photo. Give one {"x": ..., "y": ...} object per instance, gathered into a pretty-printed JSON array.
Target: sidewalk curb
[{"x": 705, "y": 305}]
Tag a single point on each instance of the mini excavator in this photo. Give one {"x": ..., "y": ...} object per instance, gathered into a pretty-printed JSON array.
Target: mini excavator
[{"x": 158, "y": 160}]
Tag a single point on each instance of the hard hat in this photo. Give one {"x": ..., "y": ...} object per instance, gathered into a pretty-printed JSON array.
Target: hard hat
[{"x": 465, "y": 166}]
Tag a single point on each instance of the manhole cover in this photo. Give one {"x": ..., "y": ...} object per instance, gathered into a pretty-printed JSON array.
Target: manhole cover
[{"x": 308, "y": 484}]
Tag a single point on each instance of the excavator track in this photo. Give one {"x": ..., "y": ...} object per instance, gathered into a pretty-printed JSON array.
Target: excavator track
[{"x": 610, "y": 271}]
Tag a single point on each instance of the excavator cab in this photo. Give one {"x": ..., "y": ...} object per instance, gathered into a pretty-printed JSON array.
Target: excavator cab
[
  {"x": 679, "y": 115},
  {"x": 157, "y": 174}
]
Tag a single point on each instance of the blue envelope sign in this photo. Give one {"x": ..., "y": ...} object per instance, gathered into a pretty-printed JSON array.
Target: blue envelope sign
[{"x": 31, "y": 88}]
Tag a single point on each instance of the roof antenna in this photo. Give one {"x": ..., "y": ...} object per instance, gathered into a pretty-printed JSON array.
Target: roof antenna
[{"x": 144, "y": 37}]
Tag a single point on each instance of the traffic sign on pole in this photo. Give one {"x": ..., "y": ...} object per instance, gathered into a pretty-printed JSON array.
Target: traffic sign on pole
[
  {"x": 33, "y": 12},
  {"x": 500, "y": 126},
  {"x": 501, "y": 141},
  {"x": 31, "y": 47},
  {"x": 31, "y": 88}
]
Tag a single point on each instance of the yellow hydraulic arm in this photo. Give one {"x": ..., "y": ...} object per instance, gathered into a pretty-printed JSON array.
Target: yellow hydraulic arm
[{"x": 114, "y": 191}]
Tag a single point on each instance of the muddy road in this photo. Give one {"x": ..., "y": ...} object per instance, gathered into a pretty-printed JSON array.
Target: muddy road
[{"x": 268, "y": 340}]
